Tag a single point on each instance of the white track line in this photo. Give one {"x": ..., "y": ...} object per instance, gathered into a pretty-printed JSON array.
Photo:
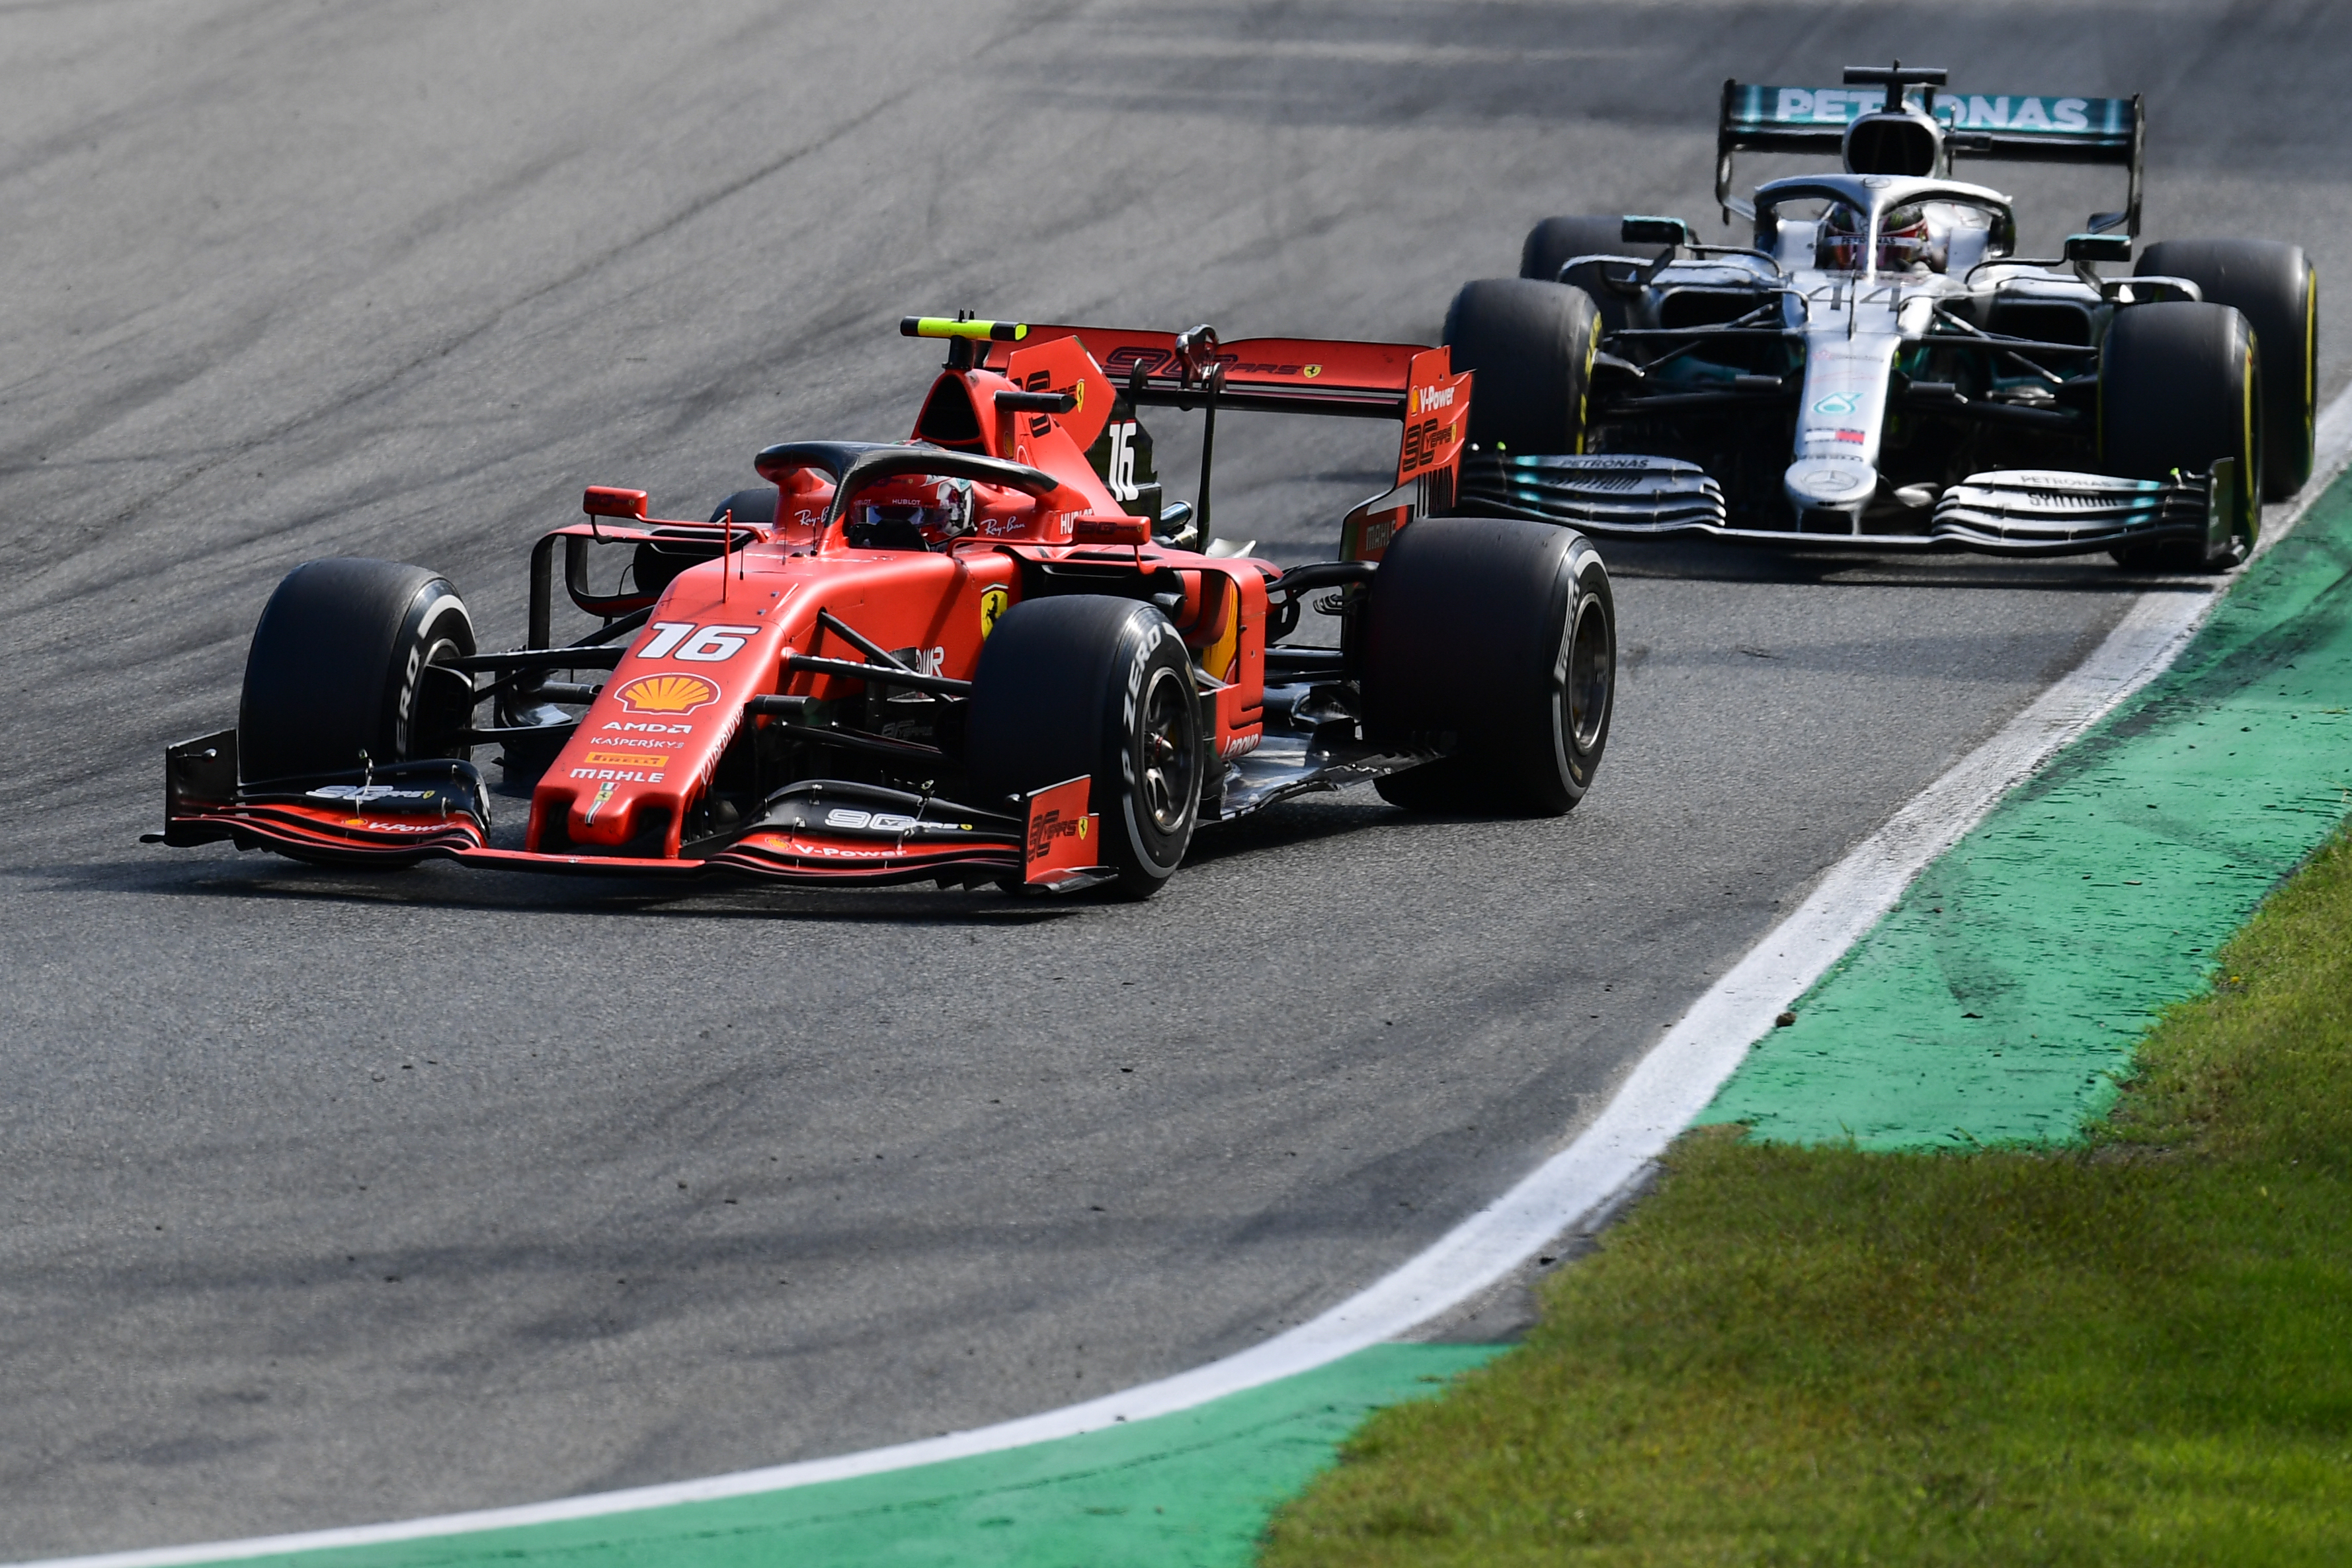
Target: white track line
[{"x": 1670, "y": 1086}]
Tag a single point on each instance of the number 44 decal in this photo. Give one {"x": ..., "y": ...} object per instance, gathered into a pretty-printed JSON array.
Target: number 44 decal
[{"x": 697, "y": 644}]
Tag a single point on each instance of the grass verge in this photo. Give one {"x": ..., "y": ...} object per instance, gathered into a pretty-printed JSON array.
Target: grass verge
[{"x": 2134, "y": 1351}]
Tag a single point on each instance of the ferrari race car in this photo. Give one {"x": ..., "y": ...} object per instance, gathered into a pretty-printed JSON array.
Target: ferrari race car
[
  {"x": 986, "y": 655},
  {"x": 1878, "y": 371}
]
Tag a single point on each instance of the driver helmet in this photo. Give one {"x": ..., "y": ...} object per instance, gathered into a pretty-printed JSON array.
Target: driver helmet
[
  {"x": 939, "y": 509},
  {"x": 1905, "y": 240},
  {"x": 1908, "y": 241}
]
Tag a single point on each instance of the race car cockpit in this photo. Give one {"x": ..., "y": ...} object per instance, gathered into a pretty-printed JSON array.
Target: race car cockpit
[
  {"x": 911, "y": 511},
  {"x": 1879, "y": 224},
  {"x": 1917, "y": 236}
]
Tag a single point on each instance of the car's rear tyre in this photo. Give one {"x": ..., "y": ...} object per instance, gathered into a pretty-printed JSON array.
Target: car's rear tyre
[
  {"x": 1555, "y": 242},
  {"x": 2276, "y": 288},
  {"x": 2180, "y": 388},
  {"x": 346, "y": 671},
  {"x": 1085, "y": 683},
  {"x": 1531, "y": 344},
  {"x": 1493, "y": 640},
  {"x": 755, "y": 506}
]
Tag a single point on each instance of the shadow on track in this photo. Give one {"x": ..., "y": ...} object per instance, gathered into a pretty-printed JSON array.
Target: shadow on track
[
  {"x": 719, "y": 897},
  {"x": 1707, "y": 560}
]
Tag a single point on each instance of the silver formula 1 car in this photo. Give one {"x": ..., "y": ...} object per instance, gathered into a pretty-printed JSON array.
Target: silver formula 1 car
[{"x": 1878, "y": 370}]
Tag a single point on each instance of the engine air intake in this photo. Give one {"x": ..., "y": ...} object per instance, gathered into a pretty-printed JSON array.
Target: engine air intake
[{"x": 1904, "y": 145}]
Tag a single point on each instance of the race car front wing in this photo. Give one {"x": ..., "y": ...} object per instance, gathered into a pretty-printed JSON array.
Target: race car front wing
[
  {"x": 2017, "y": 512},
  {"x": 2041, "y": 512},
  {"x": 818, "y": 831},
  {"x": 1620, "y": 493}
]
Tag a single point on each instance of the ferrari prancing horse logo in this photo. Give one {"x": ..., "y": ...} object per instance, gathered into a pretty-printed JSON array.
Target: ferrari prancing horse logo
[{"x": 993, "y": 603}]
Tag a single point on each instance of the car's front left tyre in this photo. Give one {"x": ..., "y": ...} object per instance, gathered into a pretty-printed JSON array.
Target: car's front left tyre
[
  {"x": 1491, "y": 641},
  {"x": 1094, "y": 686}
]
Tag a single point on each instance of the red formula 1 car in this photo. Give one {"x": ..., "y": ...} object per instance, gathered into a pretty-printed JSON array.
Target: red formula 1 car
[{"x": 986, "y": 655}]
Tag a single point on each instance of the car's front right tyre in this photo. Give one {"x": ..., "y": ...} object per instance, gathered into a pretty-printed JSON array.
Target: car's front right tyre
[
  {"x": 2276, "y": 288},
  {"x": 346, "y": 671},
  {"x": 1555, "y": 242},
  {"x": 1532, "y": 346},
  {"x": 2180, "y": 390}
]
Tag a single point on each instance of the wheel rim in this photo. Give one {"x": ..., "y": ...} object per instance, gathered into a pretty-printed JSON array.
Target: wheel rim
[
  {"x": 2250, "y": 487},
  {"x": 1167, "y": 785},
  {"x": 1589, "y": 668},
  {"x": 421, "y": 740}
]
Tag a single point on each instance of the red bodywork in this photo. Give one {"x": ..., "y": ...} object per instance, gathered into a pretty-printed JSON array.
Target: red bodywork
[{"x": 620, "y": 795}]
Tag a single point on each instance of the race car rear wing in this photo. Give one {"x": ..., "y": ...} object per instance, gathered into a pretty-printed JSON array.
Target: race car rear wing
[
  {"x": 2009, "y": 127},
  {"x": 1332, "y": 376}
]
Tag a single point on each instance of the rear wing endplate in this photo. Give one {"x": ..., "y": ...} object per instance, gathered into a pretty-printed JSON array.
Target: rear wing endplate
[{"x": 2009, "y": 127}]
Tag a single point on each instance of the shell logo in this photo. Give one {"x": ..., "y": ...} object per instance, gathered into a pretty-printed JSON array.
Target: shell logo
[{"x": 667, "y": 693}]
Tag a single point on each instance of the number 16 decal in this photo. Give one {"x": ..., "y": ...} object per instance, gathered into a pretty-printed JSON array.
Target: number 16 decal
[
  {"x": 1120, "y": 477},
  {"x": 698, "y": 644}
]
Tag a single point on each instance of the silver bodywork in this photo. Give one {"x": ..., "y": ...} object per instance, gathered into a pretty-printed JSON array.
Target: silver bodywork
[{"x": 1854, "y": 329}]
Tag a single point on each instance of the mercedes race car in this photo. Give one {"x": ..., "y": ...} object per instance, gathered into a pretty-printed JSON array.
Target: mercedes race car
[
  {"x": 1878, "y": 370},
  {"x": 988, "y": 653}
]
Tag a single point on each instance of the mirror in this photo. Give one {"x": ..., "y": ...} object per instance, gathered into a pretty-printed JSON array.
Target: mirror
[
  {"x": 2098, "y": 248},
  {"x": 604, "y": 501},
  {"x": 1640, "y": 230}
]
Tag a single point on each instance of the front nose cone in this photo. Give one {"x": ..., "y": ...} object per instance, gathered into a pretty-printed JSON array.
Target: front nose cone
[{"x": 1830, "y": 484}]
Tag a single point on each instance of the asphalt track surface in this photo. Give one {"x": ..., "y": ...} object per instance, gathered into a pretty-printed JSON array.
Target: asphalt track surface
[{"x": 333, "y": 1198}]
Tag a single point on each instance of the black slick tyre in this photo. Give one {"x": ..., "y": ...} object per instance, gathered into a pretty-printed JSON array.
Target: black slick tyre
[
  {"x": 2180, "y": 388},
  {"x": 657, "y": 562},
  {"x": 1493, "y": 641},
  {"x": 2275, "y": 287},
  {"x": 1085, "y": 683},
  {"x": 756, "y": 505},
  {"x": 1531, "y": 344},
  {"x": 345, "y": 671},
  {"x": 1555, "y": 242}
]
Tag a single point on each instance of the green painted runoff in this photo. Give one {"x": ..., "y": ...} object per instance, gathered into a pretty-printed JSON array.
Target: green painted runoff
[
  {"x": 1191, "y": 1490},
  {"x": 2001, "y": 998}
]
